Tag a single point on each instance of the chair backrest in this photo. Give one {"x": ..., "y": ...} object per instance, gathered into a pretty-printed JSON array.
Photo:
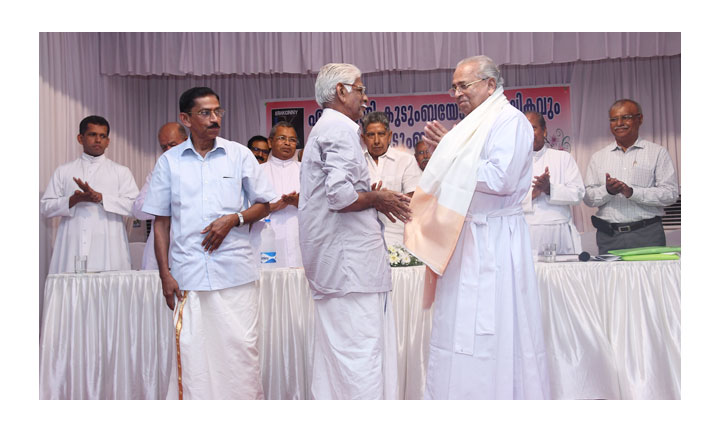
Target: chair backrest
[{"x": 136, "y": 255}]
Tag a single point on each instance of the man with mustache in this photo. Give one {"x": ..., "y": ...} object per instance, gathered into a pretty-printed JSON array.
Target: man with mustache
[
  {"x": 91, "y": 194},
  {"x": 210, "y": 189},
  {"x": 394, "y": 168},
  {"x": 284, "y": 174},
  {"x": 422, "y": 154},
  {"x": 169, "y": 135},
  {"x": 630, "y": 181},
  {"x": 259, "y": 146},
  {"x": 343, "y": 252}
]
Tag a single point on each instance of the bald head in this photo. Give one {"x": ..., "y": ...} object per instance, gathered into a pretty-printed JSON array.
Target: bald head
[{"x": 170, "y": 135}]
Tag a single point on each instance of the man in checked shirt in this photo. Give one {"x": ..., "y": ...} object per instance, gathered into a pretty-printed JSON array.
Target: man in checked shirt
[{"x": 630, "y": 181}]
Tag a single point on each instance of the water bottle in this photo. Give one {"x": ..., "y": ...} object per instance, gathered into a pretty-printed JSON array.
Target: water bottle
[{"x": 268, "y": 246}]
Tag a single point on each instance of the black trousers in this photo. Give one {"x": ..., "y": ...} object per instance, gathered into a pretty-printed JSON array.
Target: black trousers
[{"x": 651, "y": 235}]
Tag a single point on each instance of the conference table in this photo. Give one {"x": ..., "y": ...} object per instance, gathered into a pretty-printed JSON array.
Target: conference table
[{"x": 612, "y": 331}]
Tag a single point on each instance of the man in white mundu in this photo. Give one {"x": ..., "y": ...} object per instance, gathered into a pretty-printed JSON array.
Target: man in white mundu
[
  {"x": 209, "y": 188},
  {"x": 557, "y": 185},
  {"x": 468, "y": 227},
  {"x": 91, "y": 195},
  {"x": 345, "y": 260}
]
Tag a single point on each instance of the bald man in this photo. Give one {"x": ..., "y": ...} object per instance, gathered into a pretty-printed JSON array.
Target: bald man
[{"x": 169, "y": 135}]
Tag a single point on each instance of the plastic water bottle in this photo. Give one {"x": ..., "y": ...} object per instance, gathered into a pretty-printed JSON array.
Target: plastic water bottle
[{"x": 268, "y": 246}]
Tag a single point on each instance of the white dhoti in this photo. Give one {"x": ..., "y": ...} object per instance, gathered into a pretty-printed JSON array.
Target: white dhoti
[
  {"x": 355, "y": 349},
  {"x": 217, "y": 345}
]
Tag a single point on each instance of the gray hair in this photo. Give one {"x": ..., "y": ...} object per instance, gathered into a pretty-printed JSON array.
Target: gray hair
[
  {"x": 485, "y": 67},
  {"x": 280, "y": 124},
  {"x": 620, "y": 102},
  {"x": 329, "y": 76},
  {"x": 375, "y": 117}
]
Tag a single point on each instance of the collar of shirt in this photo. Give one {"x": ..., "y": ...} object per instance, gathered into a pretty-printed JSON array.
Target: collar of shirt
[
  {"x": 388, "y": 155},
  {"x": 279, "y": 162},
  {"x": 188, "y": 145},
  {"x": 538, "y": 154},
  {"x": 341, "y": 117},
  {"x": 637, "y": 144},
  {"x": 92, "y": 159}
]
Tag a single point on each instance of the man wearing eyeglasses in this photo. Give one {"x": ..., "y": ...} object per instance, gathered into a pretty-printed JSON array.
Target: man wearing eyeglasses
[
  {"x": 422, "y": 154},
  {"x": 394, "y": 168},
  {"x": 91, "y": 195},
  {"x": 469, "y": 229},
  {"x": 630, "y": 181},
  {"x": 259, "y": 146},
  {"x": 210, "y": 189},
  {"x": 343, "y": 252},
  {"x": 169, "y": 135},
  {"x": 284, "y": 174}
]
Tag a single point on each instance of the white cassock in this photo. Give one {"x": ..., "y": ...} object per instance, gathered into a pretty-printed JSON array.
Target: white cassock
[
  {"x": 285, "y": 178},
  {"x": 94, "y": 230},
  {"x": 550, "y": 216},
  {"x": 399, "y": 172},
  {"x": 487, "y": 335}
]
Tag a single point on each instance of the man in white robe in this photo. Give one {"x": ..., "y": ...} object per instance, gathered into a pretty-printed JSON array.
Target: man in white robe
[
  {"x": 397, "y": 170},
  {"x": 169, "y": 135},
  {"x": 487, "y": 336},
  {"x": 345, "y": 260},
  {"x": 91, "y": 195},
  {"x": 284, "y": 174},
  {"x": 209, "y": 188},
  {"x": 557, "y": 185}
]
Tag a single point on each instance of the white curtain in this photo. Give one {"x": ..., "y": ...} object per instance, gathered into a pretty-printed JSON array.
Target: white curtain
[{"x": 73, "y": 85}]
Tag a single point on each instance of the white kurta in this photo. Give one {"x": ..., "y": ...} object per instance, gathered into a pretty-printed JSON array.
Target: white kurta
[
  {"x": 550, "y": 216},
  {"x": 399, "y": 172},
  {"x": 285, "y": 178},
  {"x": 487, "y": 335},
  {"x": 95, "y": 230}
]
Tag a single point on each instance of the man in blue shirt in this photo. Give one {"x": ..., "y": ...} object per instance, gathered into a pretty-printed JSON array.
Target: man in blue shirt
[{"x": 210, "y": 189}]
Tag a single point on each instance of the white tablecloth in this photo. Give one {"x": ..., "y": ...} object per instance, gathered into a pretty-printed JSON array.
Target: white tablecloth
[{"x": 612, "y": 330}]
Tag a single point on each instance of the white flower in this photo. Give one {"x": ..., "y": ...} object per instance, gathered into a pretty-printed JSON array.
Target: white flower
[{"x": 394, "y": 259}]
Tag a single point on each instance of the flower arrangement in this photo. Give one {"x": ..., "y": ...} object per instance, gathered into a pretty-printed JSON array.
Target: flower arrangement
[{"x": 399, "y": 257}]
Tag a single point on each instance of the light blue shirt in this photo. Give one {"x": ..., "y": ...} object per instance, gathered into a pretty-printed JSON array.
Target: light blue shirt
[{"x": 195, "y": 191}]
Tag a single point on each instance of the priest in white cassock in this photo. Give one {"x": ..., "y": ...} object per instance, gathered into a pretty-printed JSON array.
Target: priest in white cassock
[
  {"x": 346, "y": 263},
  {"x": 284, "y": 173},
  {"x": 468, "y": 227},
  {"x": 91, "y": 195},
  {"x": 396, "y": 169},
  {"x": 208, "y": 188},
  {"x": 557, "y": 185},
  {"x": 169, "y": 135}
]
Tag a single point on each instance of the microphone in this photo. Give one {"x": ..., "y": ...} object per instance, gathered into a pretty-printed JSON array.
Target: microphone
[{"x": 584, "y": 256}]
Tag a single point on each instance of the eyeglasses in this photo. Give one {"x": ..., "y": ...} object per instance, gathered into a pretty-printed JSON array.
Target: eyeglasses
[
  {"x": 359, "y": 88},
  {"x": 255, "y": 149},
  {"x": 423, "y": 152},
  {"x": 626, "y": 117},
  {"x": 283, "y": 138},
  {"x": 462, "y": 87},
  {"x": 205, "y": 113}
]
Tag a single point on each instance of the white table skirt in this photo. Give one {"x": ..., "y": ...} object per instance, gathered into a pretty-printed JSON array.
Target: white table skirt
[{"x": 612, "y": 330}]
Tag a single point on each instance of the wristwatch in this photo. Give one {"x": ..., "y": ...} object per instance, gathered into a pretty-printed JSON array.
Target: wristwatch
[{"x": 241, "y": 221}]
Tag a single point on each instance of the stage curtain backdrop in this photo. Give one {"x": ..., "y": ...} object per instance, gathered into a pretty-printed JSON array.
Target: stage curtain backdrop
[{"x": 135, "y": 80}]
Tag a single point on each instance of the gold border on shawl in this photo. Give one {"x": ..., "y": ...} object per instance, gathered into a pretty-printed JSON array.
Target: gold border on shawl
[{"x": 178, "y": 327}]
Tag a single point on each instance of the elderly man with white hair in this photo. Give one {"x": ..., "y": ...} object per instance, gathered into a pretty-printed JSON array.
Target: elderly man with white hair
[
  {"x": 469, "y": 228},
  {"x": 346, "y": 264}
]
